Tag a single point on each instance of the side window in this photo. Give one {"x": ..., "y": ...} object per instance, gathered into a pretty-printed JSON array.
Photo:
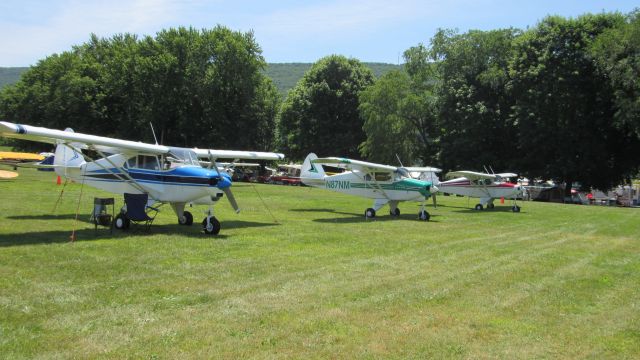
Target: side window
[
  {"x": 144, "y": 162},
  {"x": 367, "y": 177},
  {"x": 133, "y": 162},
  {"x": 382, "y": 176}
]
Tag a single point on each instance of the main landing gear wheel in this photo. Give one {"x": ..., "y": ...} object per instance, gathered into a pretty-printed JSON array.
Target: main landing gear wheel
[
  {"x": 121, "y": 222},
  {"x": 211, "y": 228},
  {"x": 369, "y": 213},
  {"x": 395, "y": 212},
  {"x": 479, "y": 207},
  {"x": 187, "y": 219},
  {"x": 515, "y": 208},
  {"x": 490, "y": 206},
  {"x": 424, "y": 215}
]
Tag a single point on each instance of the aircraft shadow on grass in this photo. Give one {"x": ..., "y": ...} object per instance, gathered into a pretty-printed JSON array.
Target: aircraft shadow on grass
[
  {"x": 359, "y": 218},
  {"x": 103, "y": 233},
  {"x": 469, "y": 210}
]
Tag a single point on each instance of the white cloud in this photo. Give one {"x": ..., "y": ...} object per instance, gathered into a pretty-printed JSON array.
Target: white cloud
[{"x": 24, "y": 43}]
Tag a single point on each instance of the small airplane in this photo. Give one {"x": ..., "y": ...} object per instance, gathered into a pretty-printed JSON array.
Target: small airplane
[
  {"x": 14, "y": 159},
  {"x": 170, "y": 175},
  {"x": 485, "y": 186},
  {"x": 383, "y": 183}
]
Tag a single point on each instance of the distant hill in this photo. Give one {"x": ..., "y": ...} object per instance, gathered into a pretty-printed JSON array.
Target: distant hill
[
  {"x": 285, "y": 76},
  {"x": 10, "y": 75}
]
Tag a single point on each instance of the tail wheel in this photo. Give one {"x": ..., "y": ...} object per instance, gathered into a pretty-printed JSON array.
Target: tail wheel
[
  {"x": 395, "y": 212},
  {"x": 424, "y": 215},
  {"x": 121, "y": 222},
  {"x": 187, "y": 219},
  {"x": 515, "y": 208},
  {"x": 369, "y": 213},
  {"x": 479, "y": 207},
  {"x": 212, "y": 227}
]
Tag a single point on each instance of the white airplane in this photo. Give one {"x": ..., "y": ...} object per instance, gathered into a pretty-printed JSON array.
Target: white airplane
[
  {"x": 170, "y": 175},
  {"x": 383, "y": 183},
  {"x": 487, "y": 187}
]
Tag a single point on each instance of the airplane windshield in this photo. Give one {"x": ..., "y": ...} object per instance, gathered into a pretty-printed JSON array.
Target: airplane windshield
[
  {"x": 183, "y": 156},
  {"x": 402, "y": 173}
]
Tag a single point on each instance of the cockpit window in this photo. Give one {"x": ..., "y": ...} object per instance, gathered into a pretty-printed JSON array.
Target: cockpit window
[{"x": 182, "y": 156}]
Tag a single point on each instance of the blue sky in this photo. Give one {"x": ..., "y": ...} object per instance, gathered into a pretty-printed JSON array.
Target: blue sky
[{"x": 287, "y": 31}]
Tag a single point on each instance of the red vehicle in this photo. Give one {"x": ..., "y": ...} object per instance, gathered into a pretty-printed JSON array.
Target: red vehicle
[{"x": 286, "y": 175}]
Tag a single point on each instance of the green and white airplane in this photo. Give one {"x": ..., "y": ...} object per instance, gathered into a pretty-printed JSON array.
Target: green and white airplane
[{"x": 383, "y": 183}]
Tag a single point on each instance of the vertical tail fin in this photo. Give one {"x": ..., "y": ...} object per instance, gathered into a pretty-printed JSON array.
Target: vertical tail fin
[
  {"x": 66, "y": 156},
  {"x": 311, "y": 170}
]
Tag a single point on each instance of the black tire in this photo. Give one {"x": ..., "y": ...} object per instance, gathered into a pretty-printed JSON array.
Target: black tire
[
  {"x": 187, "y": 219},
  {"x": 213, "y": 229},
  {"x": 395, "y": 212},
  {"x": 490, "y": 206},
  {"x": 369, "y": 213},
  {"x": 515, "y": 209},
  {"x": 121, "y": 222},
  {"x": 479, "y": 207},
  {"x": 424, "y": 215}
]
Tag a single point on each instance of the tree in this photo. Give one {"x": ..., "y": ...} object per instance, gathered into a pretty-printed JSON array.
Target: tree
[
  {"x": 400, "y": 113},
  {"x": 564, "y": 107},
  {"x": 474, "y": 105},
  {"x": 321, "y": 112},
  {"x": 388, "y": 133},
  {"x": 617, "y": 53}
]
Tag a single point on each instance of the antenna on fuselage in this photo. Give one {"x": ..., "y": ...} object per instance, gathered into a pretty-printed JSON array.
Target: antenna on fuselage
[
  {"x": 153, "y": 132},
  {"x": 400, "y": 161}
]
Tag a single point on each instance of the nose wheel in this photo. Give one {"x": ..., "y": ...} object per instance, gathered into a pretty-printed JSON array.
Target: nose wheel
[
  {"x": 211, "y": 225},
  {"x": 369, "y": 213},
  {"x": 424, "y": 215}
]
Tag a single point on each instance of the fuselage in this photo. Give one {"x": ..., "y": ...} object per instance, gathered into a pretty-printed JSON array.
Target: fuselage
[
  {"x": 182, "y": 184},
  {"x": 481, "y": 188},
  {"x": 386, "y": 186}
]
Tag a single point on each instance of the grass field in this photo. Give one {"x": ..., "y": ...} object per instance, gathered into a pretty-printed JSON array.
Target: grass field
[{"x": 554, "y": 281}]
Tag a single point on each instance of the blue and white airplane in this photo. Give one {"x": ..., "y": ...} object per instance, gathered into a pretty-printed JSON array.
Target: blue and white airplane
[{"x": 170, "y": 175}]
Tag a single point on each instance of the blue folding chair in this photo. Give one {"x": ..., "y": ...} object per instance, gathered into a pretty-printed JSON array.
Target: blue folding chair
[{"x": 137, "y": 211}]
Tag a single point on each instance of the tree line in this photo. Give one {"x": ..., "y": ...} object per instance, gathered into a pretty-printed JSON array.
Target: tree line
[{"x": 558, "y": 101}]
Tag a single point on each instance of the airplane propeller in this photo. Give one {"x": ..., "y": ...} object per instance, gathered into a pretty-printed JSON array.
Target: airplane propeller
[{"x": 224, "y": 184}]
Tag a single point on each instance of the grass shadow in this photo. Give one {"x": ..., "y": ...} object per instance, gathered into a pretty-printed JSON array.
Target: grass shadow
[
  {"x": 102, "y": 233},
  {"x": 360, "y": 218}
]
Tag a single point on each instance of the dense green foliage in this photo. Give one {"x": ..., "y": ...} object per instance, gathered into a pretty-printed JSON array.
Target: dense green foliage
[
  {"x": 400, "y": 112},
  {"x": 617, "y": 52},
  {"x": 564, "y": 106},
  {"x": 558, "y": 101},
  {"x": 198, "y": 88},
  {"x": 321, "y": 113},
  {"x": 474, "y": 107}
]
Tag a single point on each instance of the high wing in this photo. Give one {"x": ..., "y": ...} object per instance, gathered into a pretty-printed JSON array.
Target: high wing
[
  {"x": 9, "y": 156},
  {"x": 235, "y": 154},
  {"x": 473, "y": 175},
  {"x": 422, "y": 169},
  {"x": 507, "y": 175},
  {"x": 83, "y": 141},
  {"x": 354, "y": 164}
]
